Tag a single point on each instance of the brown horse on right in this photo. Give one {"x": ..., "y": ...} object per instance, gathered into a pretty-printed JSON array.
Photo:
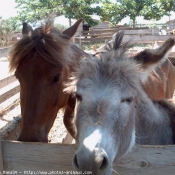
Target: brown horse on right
[{"x": 159, "y": 80}]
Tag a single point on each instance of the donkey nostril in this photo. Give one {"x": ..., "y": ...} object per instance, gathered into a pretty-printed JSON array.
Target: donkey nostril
[
  {"x": 75, "y": 161},
  {"x": 104, "y": 163}
]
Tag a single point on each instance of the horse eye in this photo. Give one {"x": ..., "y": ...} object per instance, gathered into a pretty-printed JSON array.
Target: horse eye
[
  {"x": 78, "y": 97},
  {"x": 127, "y": 100},
  {"x": 56, "y": 78}
]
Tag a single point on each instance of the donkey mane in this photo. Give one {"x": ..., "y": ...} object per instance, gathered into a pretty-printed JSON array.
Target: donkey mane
[
  {"x": 46, "y": 42},
  {"x": 90, "y": 67}
]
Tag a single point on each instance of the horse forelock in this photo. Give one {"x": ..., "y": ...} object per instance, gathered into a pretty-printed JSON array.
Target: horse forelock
[{"x": 45, "y": 42}]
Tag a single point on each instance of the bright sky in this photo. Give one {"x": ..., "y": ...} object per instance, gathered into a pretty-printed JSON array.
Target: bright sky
[{"x": 7, "y": 9}]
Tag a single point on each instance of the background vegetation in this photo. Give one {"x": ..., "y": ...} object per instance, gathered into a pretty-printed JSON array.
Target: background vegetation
[{"x": 108, "y": 10}]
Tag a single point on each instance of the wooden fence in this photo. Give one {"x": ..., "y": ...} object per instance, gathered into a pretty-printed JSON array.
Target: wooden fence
[
  {"x": 9, "y": 39},
  {"x": 9, "y": 93},
  {"x": 143, "y": 36},
  {"x": 5, "y": 82},
  {"x": 43, "y": 158},
  {"x": 150, "y": 36},
  {"x": 100, "y": 34}
]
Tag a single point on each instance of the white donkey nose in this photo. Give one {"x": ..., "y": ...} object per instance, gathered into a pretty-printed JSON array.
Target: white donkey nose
[{"x": 90, "y": 160}]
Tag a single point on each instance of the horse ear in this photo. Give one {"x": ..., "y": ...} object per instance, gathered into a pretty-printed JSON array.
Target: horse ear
[
  {"x": 153, "y": 57},
  {"x": 26, "y": 29},
  {"x": 72, "y": 30}
]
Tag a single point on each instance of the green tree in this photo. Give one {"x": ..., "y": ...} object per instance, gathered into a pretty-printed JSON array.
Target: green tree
[
  {"x": 167, "y": 6},
  {"x": 84, "y": 9},
  {"x": 37, "y": 10},
  {"x": 116, "y": 11},
  {"x": 8, "y": 26}
]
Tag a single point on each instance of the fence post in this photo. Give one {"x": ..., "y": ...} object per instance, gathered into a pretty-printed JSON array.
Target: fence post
[
  {"x": 80, "y": 41},
  {"x": 1, "y": 158},
  {"x": 91, "y": 35}
]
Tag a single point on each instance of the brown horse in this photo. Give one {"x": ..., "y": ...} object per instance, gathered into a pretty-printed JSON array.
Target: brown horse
[
  {"x": 42, "y": 61},
  {"x": 113, "y": 111},
  {"x": 159, "y": 81}
]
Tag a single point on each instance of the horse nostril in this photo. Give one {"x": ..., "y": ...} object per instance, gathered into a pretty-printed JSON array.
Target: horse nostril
[
  {"x": 75, "y": 162},
  {"x": 104, "y": 163}
]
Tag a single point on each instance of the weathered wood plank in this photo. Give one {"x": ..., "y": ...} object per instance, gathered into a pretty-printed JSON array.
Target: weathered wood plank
[
  {"x": 99, "y": 31},
  {"x": 10, "y": 93},
  {"x": 6, "y": 81},
  {"x": 68, "y": 139},
  {"x": 148, "y": 160},
  {"x": 145, "y": 38},
  {"x": 142, "y": 32},
  {"x": 143, "y": 160},
  {"x": 11, "y": 35},
  {"x": 22, "y": 156}
]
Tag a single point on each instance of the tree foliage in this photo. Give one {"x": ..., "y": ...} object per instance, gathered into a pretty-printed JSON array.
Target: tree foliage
[
  {"x": 8, "y": 26},
  {"x": 37, "y": 10},
  {"x": 116, "y": 11},
  {"x": 109, "y": 10},
  {"x": 167, "y": 6},
  {"x": 82, "y": 9}
]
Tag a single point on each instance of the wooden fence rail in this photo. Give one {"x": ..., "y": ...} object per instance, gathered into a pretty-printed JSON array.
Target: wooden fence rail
[
  {"x": 6, "y": 82},
  {"x": 9, "y": 99},
  {"x": 23, "y": 158},
  {"x": 9, "y": 39},
  {"x": 100, "y": 35}
]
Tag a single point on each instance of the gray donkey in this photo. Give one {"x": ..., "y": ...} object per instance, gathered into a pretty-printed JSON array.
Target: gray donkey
[{"x": 112, "y": 110}]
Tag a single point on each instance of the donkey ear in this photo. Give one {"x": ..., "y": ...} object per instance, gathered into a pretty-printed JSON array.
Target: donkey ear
[
  {"x": 72, "y": 30},
  {"x": 153, "y": 57},
  {"x": 149, "y": 59},
  {"x": 26, "y": 29}
]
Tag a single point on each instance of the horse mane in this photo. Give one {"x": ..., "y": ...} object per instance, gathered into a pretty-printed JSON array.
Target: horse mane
[{"x": 46, "y": 42}]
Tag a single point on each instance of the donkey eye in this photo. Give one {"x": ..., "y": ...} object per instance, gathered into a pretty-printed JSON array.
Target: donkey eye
[
  {"x": 56, "y": 78},
  {"x": 127, "y": 100},
  {"x": 78, "y": 97}
]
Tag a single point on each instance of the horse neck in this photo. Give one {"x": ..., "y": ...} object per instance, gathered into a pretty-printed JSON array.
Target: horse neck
[
  {"x": 169, "y": 71},
  {"x": 79, "y": 52},
  {"x": 152, "y": 123}
]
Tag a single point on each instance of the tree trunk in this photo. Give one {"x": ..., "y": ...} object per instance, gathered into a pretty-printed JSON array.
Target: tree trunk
[
  {"x": 70, "y": 23},
  {"x": 134, "y": 23}
]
